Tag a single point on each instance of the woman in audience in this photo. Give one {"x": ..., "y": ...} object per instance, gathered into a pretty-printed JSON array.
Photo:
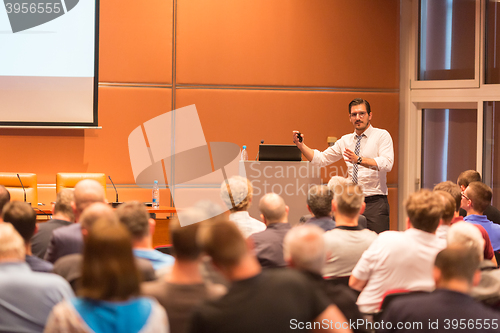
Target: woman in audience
[{"x": 108, "y": 299}]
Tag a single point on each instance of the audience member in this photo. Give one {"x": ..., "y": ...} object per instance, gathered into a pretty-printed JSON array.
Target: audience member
[
  {"x": 68, "y": 240},
  {"x": 23, "y": 218},
  {"x": 346, "y": 243},
  {"x": 134, "y": 216},
  {"x": 475, "y": 198},
  {"x": 401, "y": 260},
  {"x": 319, "y": 203},
  {"x": 237, "y": 194},
  {"x": 268, "y": 244},
  {"x": 456, "y": 193},
  {"x": 26, "y": 297},
  {"x": 258, "y": 301},
  {"x": 304, "y": 250},
  {"x": 110, "y": 288},
  {"x": 62, "y": 216},
  {"x": 467, "y": 177},
  {"x": 449, "y": 306},
  {"x": 70, "y": 266},
  {"x": 448, "y": 214},
  {"x": 488, "y": 290},
  {"x": 4, "y": 198},
  {"x": 337, "y": 184},
  {"x": 184, "y": 288}
]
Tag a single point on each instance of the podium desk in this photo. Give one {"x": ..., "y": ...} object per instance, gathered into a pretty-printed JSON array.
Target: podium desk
[{"x": 291, "y": 180}]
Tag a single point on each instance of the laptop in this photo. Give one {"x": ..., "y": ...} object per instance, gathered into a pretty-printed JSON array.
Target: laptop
[{"x": 288, "y": 153}]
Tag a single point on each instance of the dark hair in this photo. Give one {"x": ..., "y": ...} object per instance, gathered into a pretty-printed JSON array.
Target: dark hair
[
  {"x": 4, "y": 197},
  {"x": 424, "y": 209},
  {"x": 467, "y": 177},
  {"x": 109, "y": 271},
  {"x": 319, "y": 200},
  {"x": 134, "y": 216},
  {"x": 22, "y": 217},
  {"x": 184, "y": 244},
  {"x": 223, "y": 242},
  {"x": 453, "y": 189},
  {"x": 480, "y": 195},
  {"x": 457, "y": 263},
  {"x": 359, "y": 101}
]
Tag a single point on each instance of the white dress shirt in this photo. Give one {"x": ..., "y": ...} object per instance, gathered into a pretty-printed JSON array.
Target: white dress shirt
[
  {"x": 247, "y": 224},
  {"x": 396, "y": 260},
  {"x": 376, "y": 144}
]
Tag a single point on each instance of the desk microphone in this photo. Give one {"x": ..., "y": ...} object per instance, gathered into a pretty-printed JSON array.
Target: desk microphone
[
  {"x": 116, "y": 203},
  {"x": 23, "y": 188},
  {"x": 258, "y": 152}
]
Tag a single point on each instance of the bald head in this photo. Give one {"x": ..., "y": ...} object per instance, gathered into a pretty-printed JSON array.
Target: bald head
[
  {"x": 304, "y": 248},
  {"x": 97, "y": 211},
  {"x": 87, "y": 192},
  {"x": 273, "y": 208}
]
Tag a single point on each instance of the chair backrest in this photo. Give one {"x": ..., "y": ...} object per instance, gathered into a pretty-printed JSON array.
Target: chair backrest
[
  {"x": 69, "y": 180},
  {"x": 12, "y": 184}
]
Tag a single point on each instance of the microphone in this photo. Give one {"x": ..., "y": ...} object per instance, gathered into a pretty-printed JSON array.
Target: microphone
[
  {"x": 23, "y": 188},
  {"x": 258, "y": 152},
  {"x": 116, "y": 203}
]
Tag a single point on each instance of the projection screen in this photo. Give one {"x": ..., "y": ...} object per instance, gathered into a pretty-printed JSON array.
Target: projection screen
[{"x": 49, "y": 62}]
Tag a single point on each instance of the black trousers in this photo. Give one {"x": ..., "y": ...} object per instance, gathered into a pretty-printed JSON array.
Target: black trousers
[{"x": 377, "y": 213}]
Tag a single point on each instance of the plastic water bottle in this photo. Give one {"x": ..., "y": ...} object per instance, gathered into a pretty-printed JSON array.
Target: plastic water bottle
[
  {"x": 244, "y": 154},
  {"x": 156, "y": 195}
]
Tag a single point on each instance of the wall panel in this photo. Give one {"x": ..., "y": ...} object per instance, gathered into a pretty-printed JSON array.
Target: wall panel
[
  {"x": 136, "y": 41},
  {"x": 288, "y": 43}
]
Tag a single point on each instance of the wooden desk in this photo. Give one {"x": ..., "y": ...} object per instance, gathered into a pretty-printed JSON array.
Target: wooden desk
[{"x": 47, "y": 210}]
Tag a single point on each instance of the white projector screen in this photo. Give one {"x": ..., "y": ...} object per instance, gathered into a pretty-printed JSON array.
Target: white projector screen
[{"x": 49, "y": 62}]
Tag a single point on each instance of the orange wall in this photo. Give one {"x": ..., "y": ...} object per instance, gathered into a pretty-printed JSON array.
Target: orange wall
[{"x": 255, "y": 70}]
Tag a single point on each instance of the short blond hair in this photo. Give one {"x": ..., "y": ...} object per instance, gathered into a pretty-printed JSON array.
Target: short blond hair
[
  {"x": 349, "y": 199},
  {"x": 11, "y": 243},
  {"x": 424, "y": 209},
  {"x": 449, "y": 206}
]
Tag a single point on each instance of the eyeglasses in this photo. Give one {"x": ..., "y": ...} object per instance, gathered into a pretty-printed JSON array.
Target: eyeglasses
[
  {"x": 464, "y": 196},
  {"x": 356, "y": 114}
]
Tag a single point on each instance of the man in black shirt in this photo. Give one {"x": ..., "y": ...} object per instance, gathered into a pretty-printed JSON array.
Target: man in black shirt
[{"x": 279, "y": 300}]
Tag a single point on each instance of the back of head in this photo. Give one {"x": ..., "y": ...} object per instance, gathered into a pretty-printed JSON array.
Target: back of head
[
  {"x": 304, "y": 247},
  {"x": 223, "y": 242},
  {"x": 236, "y": 193},
  {"x": 468, "y": 236},
  {"x": 449, "y": 206},
  {"x": 87, "y": 192},
  {"x": 4, "y": 197},
  {"x": 467, "y": 177},
  {"x": 337, "y": 182},
  {"x": 453, "y": 189},
  {"x": 134, "y": 216},
  {"x": 11, "y": 244},
  {"x": 273, "y": 208},
  {"x": 109, "y": 271},
  {"x": 349, "y": 200},
  {"x": 359, "y": 101},
  {"x": 95, "y": 212},
  {"x": 63, "y": 203},
  {"x": 424, "y": 209},
  {"x": 480, "y": 195},
  {"x": 457, "y": 263},
  {"x": 319, "y": 200},
  {"x": 184, "y": 241},
  {"x": 22, "y": 217}
]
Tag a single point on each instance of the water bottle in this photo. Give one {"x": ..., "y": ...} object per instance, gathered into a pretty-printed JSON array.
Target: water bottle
[
  {"x": 156, "y": 195},
  {"x": 244, "y": 154}
]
